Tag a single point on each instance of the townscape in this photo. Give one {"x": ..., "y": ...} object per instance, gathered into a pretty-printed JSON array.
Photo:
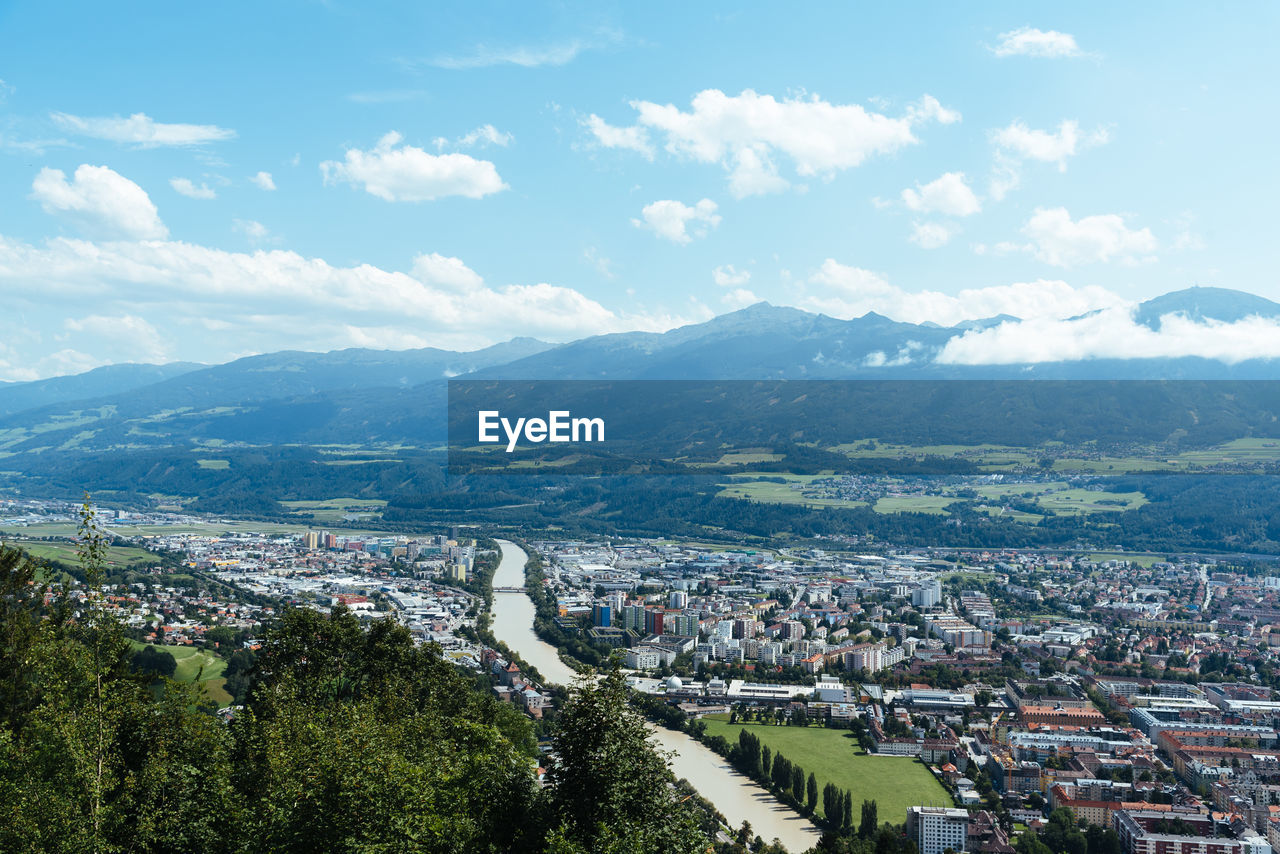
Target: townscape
[{"x": 971, "y": 696}]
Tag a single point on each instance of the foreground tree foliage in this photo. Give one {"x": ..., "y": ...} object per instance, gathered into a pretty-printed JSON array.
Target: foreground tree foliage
[
  {"x": 610, "y": 791},
  {"x": 351, "y": 739}
]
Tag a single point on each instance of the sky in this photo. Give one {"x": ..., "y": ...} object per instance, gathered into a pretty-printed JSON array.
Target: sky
[{"x": 203, "y": 182}]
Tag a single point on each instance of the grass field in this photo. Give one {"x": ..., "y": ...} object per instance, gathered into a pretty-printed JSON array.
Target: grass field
[
  {"x": 833, "y": 755},
  {"x": 768, "y": 492},
  {"x": 935, "y": 504},
  {"x": 216, "y": 465},
  {"x": 213, "y": 529},
  {"x": 66, "y": 552},
  {"x": 1141, "y": 560},
  {"x": 190, "y": 660}
]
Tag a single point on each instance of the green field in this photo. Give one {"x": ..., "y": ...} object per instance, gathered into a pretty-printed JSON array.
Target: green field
[
  {"x": 66, "y": 552},
  {"x": 1141, "y": 560},
  {"x": 770, "y": 492},
  {"x": 216, "y": 465},
  {"x": 833, "y": 755},
  {"x": 935, "y": 504},
  {"x": 211, "y": 529},
  {"x": 190, "y": 660}
]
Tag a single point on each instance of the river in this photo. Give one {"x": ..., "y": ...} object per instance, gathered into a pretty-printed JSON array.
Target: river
[{"x": 733, "y": 794}]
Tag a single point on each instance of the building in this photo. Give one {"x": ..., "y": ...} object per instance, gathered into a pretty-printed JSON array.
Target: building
[
  {"x": 936, "y": 829},
  {"x": 928, "y": 595},
  {"x": 1159, "y": 832}
]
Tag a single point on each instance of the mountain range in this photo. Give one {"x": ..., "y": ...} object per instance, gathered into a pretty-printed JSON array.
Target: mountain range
[{"x": 366, "y": 397}]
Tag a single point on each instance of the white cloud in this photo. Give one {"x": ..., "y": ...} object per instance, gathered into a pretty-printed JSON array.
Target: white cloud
[
  {"x": 844, "y": 291},
  {"x": 272, "y": 299},
  {"x": 138, "y": 338},
  {"x": 187, "y": 188},
  {"x": 1028, "y": 41},
  {"x": 739, "y": 298},
  {"x": 263, "y": 181},
  {"x": 930, "y": 235},
  {"x": 140, "y": 129},
  {"x": 487, "y": 135},
  {"x": 602, "y": 264},
  {"x": 1018, "y": 142},
  {"x": 747, "y": 134},
  {"x": 409, "y": 174},
  {"x": 948, "y": 195},
  {"x": 671, "y": 219},
  {"x": 634, "y": 138},
  {"x": 1113, "y": 334},
  {"x": 1062, "y": 242},
  {"x": 527, "y": 56},
  {"x": 100, "y": 201},
  {"x": 252, "y": 229},
  {"x": 726, "y": 276},
  {"x": 446, "y": 272},
  {"x": 1027, "y": 143},
  {"x": 929, "y": 109}
]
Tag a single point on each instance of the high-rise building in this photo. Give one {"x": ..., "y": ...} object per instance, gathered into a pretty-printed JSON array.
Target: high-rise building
[
  {"x": 311, "y": 540},
  {"x": 927, "y": 595},
  {"x": 601, "y": 616},
  {"x": 679, "y": 600},
  {"x": 935, "y": 829}
]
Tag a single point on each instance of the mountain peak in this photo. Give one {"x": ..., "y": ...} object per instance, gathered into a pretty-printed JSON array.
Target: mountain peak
[{"x": 1201, "y": 303}]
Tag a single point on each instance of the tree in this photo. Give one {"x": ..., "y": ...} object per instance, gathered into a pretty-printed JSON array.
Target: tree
[
  {"x": 847, "y": 818},
  {"x": 812, "y": 793},
  {"x": 870, "y": 823},
  {"x": 608, "y": 789},
  {"x": 832, "y": 806},
  {"x": 155, "y": 662}
]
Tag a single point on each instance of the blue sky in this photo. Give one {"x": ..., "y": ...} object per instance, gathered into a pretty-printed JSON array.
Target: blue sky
[{"x": 207, "y": 182}]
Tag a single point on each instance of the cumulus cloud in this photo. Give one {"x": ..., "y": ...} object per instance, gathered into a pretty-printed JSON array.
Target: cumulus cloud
[
  {"x": 100, "y": 201},
  {"x": 727, "y": 276},
  {"x": 1017, "y": 143},
  {"x": 634, "y": 138},
  {"x": 186, "y": 187},
  {"x": 141, "y": 130},
  {"x": 948, "y": 195},
  {"x": 845, "y": 291},
  {"x": 446, "y": 272},
  {"x": 670, "y": 219},
  {"x": 403, "y": 173},
  {"x": 930, "y": 235},
  {"x": 1113, "y": 334},
  {"x": 1058, "y": 240},
  {"x": 1028, "y": 41},
  {"x": 749, "y": 134},
  {"x": 272, "y": 299},
  {"x": 263, "y": 181}
]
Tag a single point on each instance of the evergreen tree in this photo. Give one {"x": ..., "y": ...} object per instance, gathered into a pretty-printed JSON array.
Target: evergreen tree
[
  {"x": 869, "y": 824},
  {"x": 812, "y": 793}
]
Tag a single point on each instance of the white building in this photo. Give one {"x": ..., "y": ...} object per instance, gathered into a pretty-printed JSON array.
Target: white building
[{"x": 935, "y": 829}]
